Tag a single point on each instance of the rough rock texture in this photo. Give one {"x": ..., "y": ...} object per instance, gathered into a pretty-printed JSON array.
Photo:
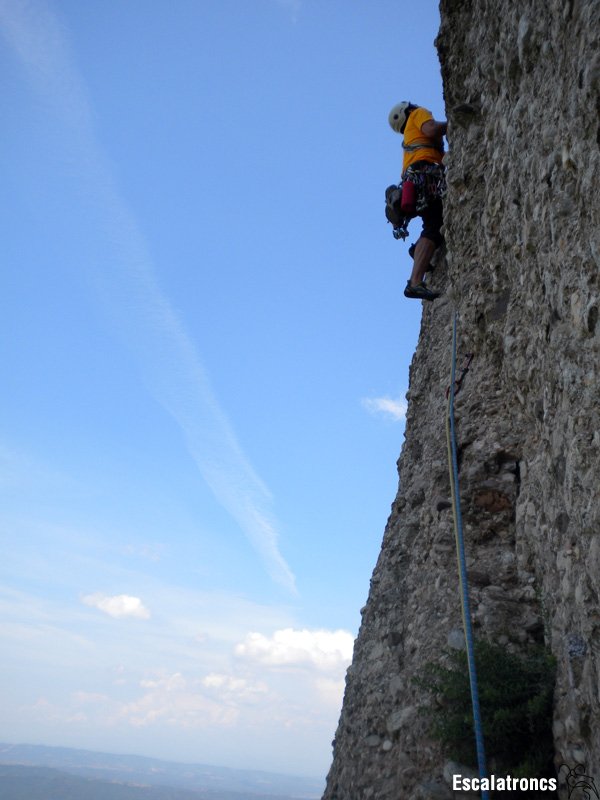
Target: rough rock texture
[{"x": 521, "y": 83}]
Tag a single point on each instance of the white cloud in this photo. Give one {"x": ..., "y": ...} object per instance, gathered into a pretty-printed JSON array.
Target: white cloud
[
  {"x": 173, "y": 699},
  {"x": 388, "y": 406},
  {"x": 168, "y": 683},
  {"x": 166, "y": 354},
  {"x": 176, "y": 701},
  {"x": 233, "y": 688},
  {"x": 321, "y": 649},
  {"x": 119, "y": 605},
  {"x": 289, "y": 709}
]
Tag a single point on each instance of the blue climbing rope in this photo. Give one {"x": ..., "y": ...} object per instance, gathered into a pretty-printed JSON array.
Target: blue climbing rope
[{"x": 462, "y": 566}]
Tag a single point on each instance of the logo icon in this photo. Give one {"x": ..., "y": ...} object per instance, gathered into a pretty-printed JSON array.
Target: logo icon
[{"x": 576, "y": 779}]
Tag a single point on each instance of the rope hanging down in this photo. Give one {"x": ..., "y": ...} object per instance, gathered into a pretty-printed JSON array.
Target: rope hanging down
[{"x": 460, "y": 556}]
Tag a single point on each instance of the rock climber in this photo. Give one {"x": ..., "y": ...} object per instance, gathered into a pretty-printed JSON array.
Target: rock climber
[{"x": 422, "y": 167}]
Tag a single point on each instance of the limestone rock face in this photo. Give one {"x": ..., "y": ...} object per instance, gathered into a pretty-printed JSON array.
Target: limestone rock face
[{"x": 522, "y": 266}]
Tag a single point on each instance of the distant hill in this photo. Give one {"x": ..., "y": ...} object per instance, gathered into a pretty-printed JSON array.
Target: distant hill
[
  {"x": 43, "y": 783},
  {"x": 129, "y": 772}
]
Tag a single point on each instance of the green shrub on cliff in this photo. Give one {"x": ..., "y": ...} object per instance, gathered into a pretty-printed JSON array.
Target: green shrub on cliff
[{"x": 515, "y": 695}]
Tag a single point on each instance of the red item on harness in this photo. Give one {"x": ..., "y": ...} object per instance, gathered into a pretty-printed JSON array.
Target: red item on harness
[{"x": 409, "y": 198}]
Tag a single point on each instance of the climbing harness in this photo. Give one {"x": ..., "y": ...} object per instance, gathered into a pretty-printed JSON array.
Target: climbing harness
[
  {"x": 429, "y": 181},
  {"x": 412, "y": 148},
  {"x": 422, "y": 184},
  {"x": 461, "y": 559}
]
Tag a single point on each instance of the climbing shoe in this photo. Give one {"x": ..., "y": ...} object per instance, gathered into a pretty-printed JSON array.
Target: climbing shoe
[{"x": 420, "y": 292}]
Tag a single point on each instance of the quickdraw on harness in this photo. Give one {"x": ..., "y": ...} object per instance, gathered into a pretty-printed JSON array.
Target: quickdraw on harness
[
  {"x": 428, "y": 181},
  {"x": 393, "y": 211},
  {"x": 421, "y": 183}
]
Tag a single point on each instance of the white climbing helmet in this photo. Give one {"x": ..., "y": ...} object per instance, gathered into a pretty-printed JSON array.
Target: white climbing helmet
[{"x": 398, "y": 116}]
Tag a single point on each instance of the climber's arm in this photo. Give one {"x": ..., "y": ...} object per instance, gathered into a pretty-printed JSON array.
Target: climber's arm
[{"x": 433, "y": 129}]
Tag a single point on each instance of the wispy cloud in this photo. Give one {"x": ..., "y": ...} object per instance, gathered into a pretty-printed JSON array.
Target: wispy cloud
[
  {"x": 117, "y": 606},
  {"x": 166, "y": 355},
  {"x": 387, "y": 406}
]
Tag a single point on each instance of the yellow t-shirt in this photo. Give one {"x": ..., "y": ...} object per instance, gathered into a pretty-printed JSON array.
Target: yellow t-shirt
[{"x": 413, "y": 135}]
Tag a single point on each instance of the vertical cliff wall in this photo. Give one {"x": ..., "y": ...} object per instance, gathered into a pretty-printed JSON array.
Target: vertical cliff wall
[{"x": 521, "y": 83}]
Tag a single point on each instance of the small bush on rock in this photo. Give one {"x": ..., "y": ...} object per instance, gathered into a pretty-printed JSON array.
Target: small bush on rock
[{"x": 515, "y": 696}]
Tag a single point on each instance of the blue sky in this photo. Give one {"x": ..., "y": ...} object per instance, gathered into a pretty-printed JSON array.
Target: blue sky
[{"x": 205, "y": 352}]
